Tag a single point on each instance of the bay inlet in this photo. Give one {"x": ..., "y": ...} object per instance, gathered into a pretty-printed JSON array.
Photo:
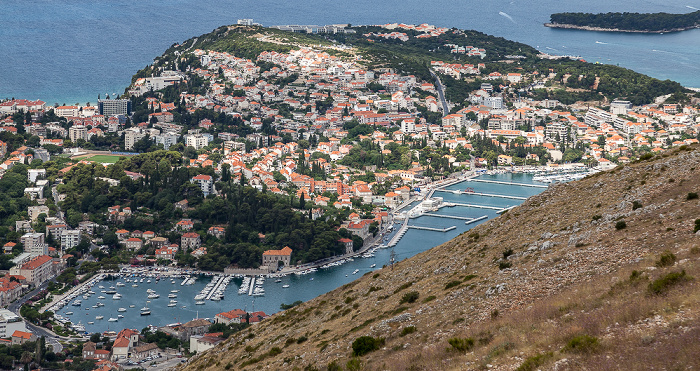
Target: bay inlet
[{"x": 455, "y": 219}]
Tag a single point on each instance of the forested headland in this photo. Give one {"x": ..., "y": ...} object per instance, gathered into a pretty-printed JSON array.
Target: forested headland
[{"x": 626, "y": 22}]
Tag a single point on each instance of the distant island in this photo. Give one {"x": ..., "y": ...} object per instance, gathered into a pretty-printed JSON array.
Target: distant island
[{"x": 626, "y": 22}]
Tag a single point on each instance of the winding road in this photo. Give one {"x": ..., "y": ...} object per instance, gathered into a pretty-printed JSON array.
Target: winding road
[{"x": 441, "y": 93}]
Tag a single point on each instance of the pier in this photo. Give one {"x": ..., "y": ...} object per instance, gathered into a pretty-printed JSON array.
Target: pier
[
  {"x": 399, "y": 234},
  {"x": 252, "y": 286},
  {"x": 447, "y": 216},
  {"x": 508, "y": 183},
  {"x": 432, "y": 229},
  {"x": 477, "y": 219},
  {"x": 482, "y": 194},
  {"x": 216, "y": 287},
  {"x": 450, "y": 204},
  {"x": 504, "y": 210}
]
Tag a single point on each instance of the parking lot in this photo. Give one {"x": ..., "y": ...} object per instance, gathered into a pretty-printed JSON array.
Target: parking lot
[{"x": 165, "y": 362}]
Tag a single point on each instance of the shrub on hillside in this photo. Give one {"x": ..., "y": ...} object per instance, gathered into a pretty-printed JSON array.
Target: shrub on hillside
[
  {"x": 663, "y": 284},
  {"x": 666, "y": 259},
  {"x": 407, "y": 330},
  {"x": 366, "y": 344},
  {"x": 409, "y": 297},
  {"x": 620, "y": 225},
  {"x": 692, "y": 196},
  {"x": 534, "y": 362},
  {"x": 461, "y": 344},
  {"x": 581, "y": 344}
]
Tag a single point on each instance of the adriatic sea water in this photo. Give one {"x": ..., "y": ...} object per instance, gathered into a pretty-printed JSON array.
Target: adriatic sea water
[
  {"x": 69, "y": 51},
  {"x": 301, "y": 287}
]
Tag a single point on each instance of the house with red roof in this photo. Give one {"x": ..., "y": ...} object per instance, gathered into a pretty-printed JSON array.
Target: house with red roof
[
  {"x": 133, "y": 243},
  {"x": 37, "y": 271},
  {"x": 347, "y": 243},
  {"x": 184, "y": 225},
  {"x": 217, "y": 231},
  {"x": 232, "y": 316},
  {"x": 274, "y": 258},
  {"x": 206, "y": 183},
  {"x": 190, "y": 240},
  {"x": 21, "y": 337}
]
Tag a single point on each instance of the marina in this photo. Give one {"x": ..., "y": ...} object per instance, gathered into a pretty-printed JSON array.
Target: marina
[{"x": 183, "y": 289}]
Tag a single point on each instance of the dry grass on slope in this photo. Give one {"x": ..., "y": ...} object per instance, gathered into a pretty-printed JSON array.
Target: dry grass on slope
[{"x": 548, "y": 284}]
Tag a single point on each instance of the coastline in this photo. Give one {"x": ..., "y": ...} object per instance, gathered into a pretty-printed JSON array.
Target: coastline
[{"x": 603, "y": 29}]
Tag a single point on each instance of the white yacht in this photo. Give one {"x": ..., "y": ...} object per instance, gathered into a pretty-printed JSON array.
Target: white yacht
[
  {"x": 121, "y": 310},
  {"x": 99, "y": 317},
  {"x": 112, "y": 319}
]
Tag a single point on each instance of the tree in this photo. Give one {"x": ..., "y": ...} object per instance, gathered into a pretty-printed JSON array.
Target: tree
[{"x": 26, "y": 358}]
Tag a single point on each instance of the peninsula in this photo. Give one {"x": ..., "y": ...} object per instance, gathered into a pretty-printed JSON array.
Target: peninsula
[
  {"x": 270, "y": 151},
  {"x": 626, "y": 22}
]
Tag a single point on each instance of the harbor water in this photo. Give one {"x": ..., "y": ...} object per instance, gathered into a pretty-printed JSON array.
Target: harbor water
[{"x": 300, "y": 287}]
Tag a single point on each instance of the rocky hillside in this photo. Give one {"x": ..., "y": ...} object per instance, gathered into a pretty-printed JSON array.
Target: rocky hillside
[{"x": 595, "y": 274}]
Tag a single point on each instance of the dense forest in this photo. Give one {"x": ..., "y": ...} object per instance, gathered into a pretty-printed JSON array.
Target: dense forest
[{"x": 649, "y": 22}]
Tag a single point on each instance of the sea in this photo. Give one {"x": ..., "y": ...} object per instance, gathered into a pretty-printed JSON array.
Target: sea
[
  {"x": 69, "y": 51},
  {"x": 301, "y": 287}
]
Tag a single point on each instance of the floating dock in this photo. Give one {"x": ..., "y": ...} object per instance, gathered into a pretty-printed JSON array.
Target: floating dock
[
  {"x": 504, "y": 210},
  {"x": 433, "y": 229},
  {"x": 399, "y": 234},
  {"x": 449, "y": 204},
  {"x": 508, "y": 183},
  {"x": 477, "y": 219},
  {"x": 251, "y": 287},
  {"x": 447, "y": 216},
  {"x": 216, "y": 287},
  {"x": 482, "y": 194}
]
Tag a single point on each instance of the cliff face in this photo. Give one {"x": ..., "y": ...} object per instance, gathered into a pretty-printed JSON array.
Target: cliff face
[{"x": 591, "y": 274}]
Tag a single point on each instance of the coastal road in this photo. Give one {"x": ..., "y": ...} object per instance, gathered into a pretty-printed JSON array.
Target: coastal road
[
  {"x": 51, "y": 338},
  {"x": 441, "y": 93}
]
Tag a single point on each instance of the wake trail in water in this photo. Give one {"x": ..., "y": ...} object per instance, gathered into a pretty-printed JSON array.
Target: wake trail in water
[
  {"x": 691, "y": 7},
  {"x": 504, "y": 14}
]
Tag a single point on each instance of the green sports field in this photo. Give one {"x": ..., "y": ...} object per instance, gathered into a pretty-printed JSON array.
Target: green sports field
[{"x": 105, "y": 159}]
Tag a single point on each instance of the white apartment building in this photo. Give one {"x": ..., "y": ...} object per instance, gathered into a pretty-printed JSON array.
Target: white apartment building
[
  {"x": 70, "y": 239},
  {"x": 34, "y": 244},
  {"x": 197, "y": 141},
  {"x": 77, "y": 132}
]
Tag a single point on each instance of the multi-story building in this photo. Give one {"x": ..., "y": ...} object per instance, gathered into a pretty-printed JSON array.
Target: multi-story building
[
  {"x": 197, "y": 141},
  {"x": 37, "y": 271},
  {"x": 70, "y": 239},
  {"x": 166, "y": 139},
  {"x": 274, "y": 258},
  {"x": 190, "y": 240},
  {"x": 67, "y": 111},
  {"x": 206, "y": 183},
  {"x": 76, "y": 132},
  {"x": 35, "y": 211},
  {"x": 114, "y": 107},
  {"x": 9, "y": 323},
  {"x": 132, "y": 136},
  {"x": 34, "y": 244}
]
